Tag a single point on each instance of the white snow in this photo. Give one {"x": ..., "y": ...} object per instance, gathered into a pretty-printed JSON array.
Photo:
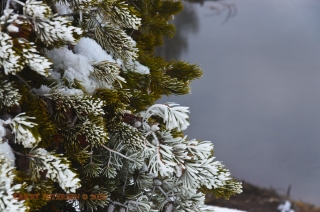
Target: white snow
[
  {"x": 155, "y": 127},
  {"x": 43, "y": 90},
  {"x": 63, "y": 8},
  {"x": 133, "y": 66},
  {"x": 29, "y": 188},
  {"x": 5, "y": 149},
  {"x": 219, "y": 209},
  {"x": 137, "y": 124},
  {"x": 76, "y": 67},
  {"x": 12, "y": 28},
  {"x": 141, "y": 68},
  {"x": 90, "y": 49},
  {"x": 75, "y": 205},
  {"x": 2, "y": 131},
  {"x": 46, "y": 91},
  {"x": 71, "y": 92},
  {"x": 285, "y": 207}
]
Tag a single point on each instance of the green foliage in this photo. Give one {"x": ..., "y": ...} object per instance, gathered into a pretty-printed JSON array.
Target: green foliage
[
  {"x": 129, "y": 136},
  {"x": 157, "y": 26},
  {"x": 38, "y": 108},
  {"x": 224, "y": 192},
  {"x": 166, "y": 78},
  {"x": 139, "y": 99},
  {"x": 116, "y": 102},
  {"x": 155, "y": 15},
  {"x": 183, "y": 71}
]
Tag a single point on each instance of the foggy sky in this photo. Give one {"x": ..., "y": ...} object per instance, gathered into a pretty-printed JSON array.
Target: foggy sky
[{"x": 259, "y": 98}]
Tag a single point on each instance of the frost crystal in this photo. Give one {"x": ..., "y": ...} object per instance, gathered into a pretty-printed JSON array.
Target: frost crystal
[
  {"x": 36, "y": 9},
  {"x": 50, "y": 28},
  {"x": 56, "y": 29},
  {"x": 21, "y": 128},
  {"x": 172, "y": 114},
  {"x": 9, "y": 96},
  {"x": 32, "y": 58},
  {"x": 58, "y": 170},
  {"x": 13, "y": 62},
  {"x": 9, "y": 59},
  {"x": 7, "y": 202}
]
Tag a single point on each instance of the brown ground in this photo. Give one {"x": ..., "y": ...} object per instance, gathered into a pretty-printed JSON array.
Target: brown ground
[{"x": 255, "y": 199}]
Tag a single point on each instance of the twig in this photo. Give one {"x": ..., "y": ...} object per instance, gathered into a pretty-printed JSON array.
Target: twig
[
  {"x": 114, "y": 151},
  {"x": 91, "y": 154},
  {"x": 164, "y": 193},
  {"x": 288, "y": 191},
  {"x": 19, "y": 2},
  {"x": 18, "y": 153},
  {"x": 22, "y": 80},
  {"x": 124, "y": 186},
  {"x": 118, "y": 203},
  {"x": 78, "y": 13},
  {"x": 21, "y": 154},
  {"x": 70, "y": 14},
  {"x": 31, "y": 90},
  {"x": 74, "y": 121}
]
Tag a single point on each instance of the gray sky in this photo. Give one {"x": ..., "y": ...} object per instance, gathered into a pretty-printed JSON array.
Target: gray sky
[{"x": 259, "y": 98}]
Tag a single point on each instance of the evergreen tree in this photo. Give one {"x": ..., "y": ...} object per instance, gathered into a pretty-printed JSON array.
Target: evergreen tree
[{"x": 78, "y": 116}]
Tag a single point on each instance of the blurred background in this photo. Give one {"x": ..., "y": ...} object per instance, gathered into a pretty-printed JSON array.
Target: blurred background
[{"x": 259, "y": 98}]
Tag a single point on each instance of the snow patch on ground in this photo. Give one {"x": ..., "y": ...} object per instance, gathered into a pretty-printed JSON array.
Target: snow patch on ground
[
  {"x": 285, "y": 207},
  {"x": 219, "y": 209}
]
